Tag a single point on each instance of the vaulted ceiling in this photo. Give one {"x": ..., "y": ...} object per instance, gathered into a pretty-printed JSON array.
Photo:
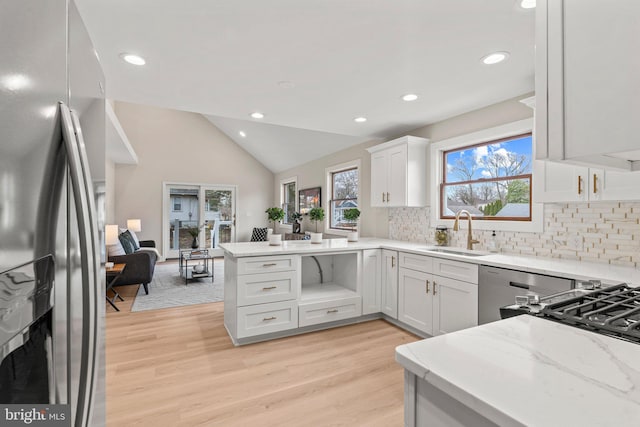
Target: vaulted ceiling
[{"x": 312, "y": 66}]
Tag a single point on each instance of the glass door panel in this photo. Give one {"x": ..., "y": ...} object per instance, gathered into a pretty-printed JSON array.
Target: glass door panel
[
  {"x": 183, "y": 218},
  {"x": 219, "y": 217}
]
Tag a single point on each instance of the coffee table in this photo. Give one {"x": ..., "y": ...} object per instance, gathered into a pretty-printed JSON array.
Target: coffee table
[
  {"x": 112, "y": 276},
  {"x": 199, "y": 256}
]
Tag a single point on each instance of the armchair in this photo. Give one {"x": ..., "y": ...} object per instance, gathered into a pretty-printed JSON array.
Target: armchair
[{"x": 140, "y": 266}]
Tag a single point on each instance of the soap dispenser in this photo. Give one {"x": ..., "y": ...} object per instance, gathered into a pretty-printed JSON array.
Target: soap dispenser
[{"x": 492, "y": 244}]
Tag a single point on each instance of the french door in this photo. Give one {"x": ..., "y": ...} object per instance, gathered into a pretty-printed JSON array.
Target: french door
[{"x": 200, "y": 215}]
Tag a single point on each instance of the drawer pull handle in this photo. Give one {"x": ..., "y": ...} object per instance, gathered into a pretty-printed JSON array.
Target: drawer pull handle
[
  {"x": 268, "y": 288},
  {"x": 434, "y": 287},
  {"x": 383, "y": 197},
  {"x": 595, "y": 183},
  {"x": 271, "y": 264},
  {"x": 427, "y": 286},
  {"x": 393, "y": 262},
  {"x": 335, "y": 310},
  {"x": 269, "y": 318}
]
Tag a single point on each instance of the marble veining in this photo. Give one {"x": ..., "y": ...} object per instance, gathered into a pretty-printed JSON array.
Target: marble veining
[{"x": 533, "y": 371}]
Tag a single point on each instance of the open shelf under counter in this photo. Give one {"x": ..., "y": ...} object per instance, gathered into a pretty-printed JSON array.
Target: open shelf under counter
[{"x": 324, "y": 292}]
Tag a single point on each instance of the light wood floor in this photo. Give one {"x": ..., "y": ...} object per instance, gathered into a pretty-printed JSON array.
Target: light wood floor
[{"x": 177, "y": 367}]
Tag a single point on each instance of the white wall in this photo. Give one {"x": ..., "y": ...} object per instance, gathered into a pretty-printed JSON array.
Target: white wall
[
  {"x": 374, "y": 222},
  {"x": 178, "y": 146}
]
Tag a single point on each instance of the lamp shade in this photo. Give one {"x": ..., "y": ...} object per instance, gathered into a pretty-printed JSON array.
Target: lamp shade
[
  {"x": 111, "y": 234},
  {"x": 134, "y": 225}
]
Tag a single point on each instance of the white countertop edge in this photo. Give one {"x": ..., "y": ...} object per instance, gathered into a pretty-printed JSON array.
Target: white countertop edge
[
  {"x": 483, "y": 408},
  {"x": 571, "y": 269}
]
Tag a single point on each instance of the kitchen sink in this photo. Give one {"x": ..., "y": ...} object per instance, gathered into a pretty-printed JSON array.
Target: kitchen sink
[{"x": 456, "y": 251}]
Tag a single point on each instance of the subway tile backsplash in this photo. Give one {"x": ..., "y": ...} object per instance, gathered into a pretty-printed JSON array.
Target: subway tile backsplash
[{"x": 605, "y": 232}]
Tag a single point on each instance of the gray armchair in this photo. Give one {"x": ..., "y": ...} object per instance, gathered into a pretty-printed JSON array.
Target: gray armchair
[{"x": 140, "y": 266}]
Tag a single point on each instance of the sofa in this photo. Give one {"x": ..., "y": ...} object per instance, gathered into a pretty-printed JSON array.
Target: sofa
[{"x": 140, "y": 265}]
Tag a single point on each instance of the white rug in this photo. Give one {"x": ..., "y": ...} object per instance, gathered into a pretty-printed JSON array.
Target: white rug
[{"x": 168, "y": 288}]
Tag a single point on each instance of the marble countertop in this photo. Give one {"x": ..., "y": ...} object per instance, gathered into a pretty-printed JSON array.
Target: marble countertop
[
  {"x": 609, "y": 274},
  {"x": 534, "y": 372}
]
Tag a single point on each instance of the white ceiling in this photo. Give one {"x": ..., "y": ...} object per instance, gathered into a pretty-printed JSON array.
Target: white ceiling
[{"x": 345, "y": 58}]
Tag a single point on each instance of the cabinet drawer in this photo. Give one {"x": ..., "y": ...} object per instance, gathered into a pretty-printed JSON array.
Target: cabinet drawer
[
  {"x": 267, "y": 264},
  {"x": 456, "y": 270},
  {"x": 267, "y": 318},
  {"x": 322, "y": 312},
  {"x": 416, "y": 262},
  {"x": 267, "y": 287}
]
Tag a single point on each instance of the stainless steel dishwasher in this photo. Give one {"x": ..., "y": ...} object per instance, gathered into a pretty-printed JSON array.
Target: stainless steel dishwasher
[{"x": 498, "y": 287}]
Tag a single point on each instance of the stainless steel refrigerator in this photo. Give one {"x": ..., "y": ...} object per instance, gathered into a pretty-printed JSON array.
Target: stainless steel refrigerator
[{"x": 52, "y": 145}]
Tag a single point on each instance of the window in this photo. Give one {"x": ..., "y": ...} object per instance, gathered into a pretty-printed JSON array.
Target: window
[
  {"x": 177, "y": 204},
  {"x": 491, "y": 180},
  {"x": 344, "y": 195},
  {"x": 288, "y": 201}
]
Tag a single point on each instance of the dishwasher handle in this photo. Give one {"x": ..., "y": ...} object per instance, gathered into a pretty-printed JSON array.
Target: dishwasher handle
[{"x": 519, "y": 285}]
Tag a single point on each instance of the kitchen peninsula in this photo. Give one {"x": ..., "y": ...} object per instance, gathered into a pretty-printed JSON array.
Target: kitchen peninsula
[{"x": 297, "y": 287}]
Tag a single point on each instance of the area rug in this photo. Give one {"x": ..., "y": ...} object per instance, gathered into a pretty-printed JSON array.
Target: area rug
[{"x": 168, "y": 288}]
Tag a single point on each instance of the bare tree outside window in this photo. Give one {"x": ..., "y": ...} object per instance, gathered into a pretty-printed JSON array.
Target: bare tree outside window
[
  {"x": 288, "y": 201},
  {"x": 491, "y": 180}
]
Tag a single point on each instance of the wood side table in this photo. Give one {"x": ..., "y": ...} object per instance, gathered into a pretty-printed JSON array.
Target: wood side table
[{"x": 113, "y": 274}]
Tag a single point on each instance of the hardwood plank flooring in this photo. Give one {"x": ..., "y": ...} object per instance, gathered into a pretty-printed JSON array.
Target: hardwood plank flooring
[{"x": 177, "y": 367}]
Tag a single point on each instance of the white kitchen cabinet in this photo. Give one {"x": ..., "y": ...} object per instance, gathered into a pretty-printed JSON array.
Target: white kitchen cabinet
[
  {"x": 455, "y": 305},
  {"x": 390, "y": 283},
  {"x": 562, "y": 182},
  {"x": 371, "y": 281},
  {"x": 399, "y": 173},
  {"x": 437, "y": 295},
  {"x": 586, "y": 82},
  {"x": 415, "y": 299}
]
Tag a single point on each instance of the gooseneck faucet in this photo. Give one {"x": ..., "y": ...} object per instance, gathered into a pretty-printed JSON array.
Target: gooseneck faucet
[{"x": 470, "y": 240}]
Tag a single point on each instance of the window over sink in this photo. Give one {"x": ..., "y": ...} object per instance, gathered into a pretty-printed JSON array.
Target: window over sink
[
  {"x": 491, "y": 180},
  {"x": 493, "y": 174}
]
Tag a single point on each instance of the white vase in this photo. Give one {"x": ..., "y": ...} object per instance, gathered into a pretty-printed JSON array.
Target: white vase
[
  {"x": 316, "y": 237},
  {"x": 352, "y": 236},
  {"x": 275, "y": 239}
]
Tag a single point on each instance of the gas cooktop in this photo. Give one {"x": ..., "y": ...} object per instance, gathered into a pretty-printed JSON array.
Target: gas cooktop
[{"x": 613, "y": 311}]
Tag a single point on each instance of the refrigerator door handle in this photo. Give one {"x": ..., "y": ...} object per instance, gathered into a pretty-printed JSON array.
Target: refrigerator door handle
[
  {"x": 94, "y": 261},
  {"x": 78, "y": 177}
]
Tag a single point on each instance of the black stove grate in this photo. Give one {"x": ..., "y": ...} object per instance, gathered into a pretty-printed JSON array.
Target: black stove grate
[{"x": 613, "y": 311}]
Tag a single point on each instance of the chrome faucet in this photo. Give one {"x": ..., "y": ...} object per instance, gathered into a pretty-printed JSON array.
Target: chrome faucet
[{"x": 470, "y": 240}]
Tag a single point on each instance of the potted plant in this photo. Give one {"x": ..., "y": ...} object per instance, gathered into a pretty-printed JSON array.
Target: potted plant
[
  {"x": 316, "y": 214},
  {"x": 194, "y": 232},
  {"x": 352, "y": 216},
  {"x": 275, "y": 214}
]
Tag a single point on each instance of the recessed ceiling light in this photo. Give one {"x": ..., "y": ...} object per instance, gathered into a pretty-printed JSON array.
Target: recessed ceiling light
[
  {"x": 242, "y": 134},
  {"x": 132, "y": 59},
  {"x": 410, "y": 97},
  {"x": 528, "y": 4},
  {"x": 494, "y": 58},
  {"x": 360, "y": 119},
  {"x": 257, "y": 115}
]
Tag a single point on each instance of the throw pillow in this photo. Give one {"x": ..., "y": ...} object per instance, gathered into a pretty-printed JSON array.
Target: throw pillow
[
  {"x": 132, "y": 239},
  {"x": 116, "y": 250},
  {"x": 127, "y": 243},
  {"x": 259, "y": 234},
  {"x": 133, "y": 234}
]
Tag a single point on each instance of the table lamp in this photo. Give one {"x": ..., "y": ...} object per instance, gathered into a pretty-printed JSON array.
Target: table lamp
[{"x": 134, "y": 225}]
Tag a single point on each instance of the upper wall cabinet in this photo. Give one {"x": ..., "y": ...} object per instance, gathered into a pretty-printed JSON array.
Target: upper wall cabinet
[
  {"x": 588, "y": 96},
  {"x": 399, "y": 172}
]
